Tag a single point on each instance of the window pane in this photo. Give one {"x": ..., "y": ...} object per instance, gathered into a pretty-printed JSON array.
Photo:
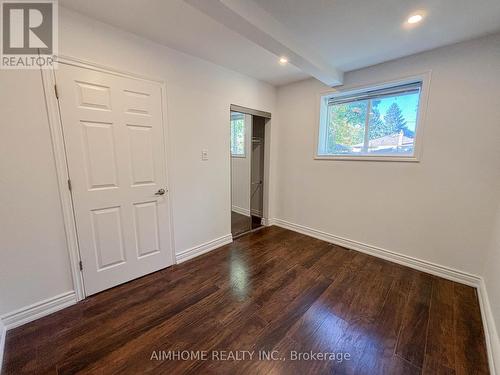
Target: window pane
[
  {"x": 237, "y": 134},
  {"x": 374, "y": 122},
  {"x": 392, "y": 126},
  {"x": 346, "y": 128}
]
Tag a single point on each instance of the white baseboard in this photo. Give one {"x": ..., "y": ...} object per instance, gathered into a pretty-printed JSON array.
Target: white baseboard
[
  {"x": 203, "y": 248},
  {"x": 490, "y": 329},
  {"x": 241, "y": 210},
  {"x": 270, "y": 222},
  {"x": 405, "y": 260},
  {"x": 38, "y": 310},
  {"x": 256, "y": 212},
  {"x": 3, "y": 333}
]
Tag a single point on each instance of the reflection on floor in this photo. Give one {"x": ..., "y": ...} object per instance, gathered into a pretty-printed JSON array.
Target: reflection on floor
[
  {"x": 256, "y": 222},
  {"x": 272, "y": 291},
  {"x": 239, "y": 223}
]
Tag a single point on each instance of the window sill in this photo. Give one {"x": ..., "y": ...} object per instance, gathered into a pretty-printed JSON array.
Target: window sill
[{"x": 411, "y": 159}]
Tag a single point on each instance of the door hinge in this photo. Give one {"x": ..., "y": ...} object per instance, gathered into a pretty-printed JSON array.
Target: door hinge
[
  {"x": 69, "y": 185},
  {"x": 81, "y": 266},
  {"x": 56, "y": 91}
]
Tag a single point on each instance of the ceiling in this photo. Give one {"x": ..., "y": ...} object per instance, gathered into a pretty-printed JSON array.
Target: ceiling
[
  {"x": 353, "y": 34},
  {"x": 178, "y": 25},
  {"x": 322, "y": 38}
]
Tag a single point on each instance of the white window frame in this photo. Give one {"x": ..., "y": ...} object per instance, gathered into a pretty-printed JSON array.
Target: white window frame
[
  {"x": 323, "y": 98},
  {"x": 244, "y": 154}
]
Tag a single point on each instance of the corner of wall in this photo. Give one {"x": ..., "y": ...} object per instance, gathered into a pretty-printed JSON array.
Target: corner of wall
[
  {"x": 3, "y": 334},
  {"x": 490, "y": 329},
  {"x": 203, "y": 248}
]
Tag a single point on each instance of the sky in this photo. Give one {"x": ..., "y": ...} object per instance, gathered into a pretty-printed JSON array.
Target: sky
[{"x": 407, "y": 104}]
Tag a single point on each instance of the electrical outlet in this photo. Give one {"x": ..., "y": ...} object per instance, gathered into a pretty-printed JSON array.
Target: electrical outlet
[{"x": 204, "y": 155}]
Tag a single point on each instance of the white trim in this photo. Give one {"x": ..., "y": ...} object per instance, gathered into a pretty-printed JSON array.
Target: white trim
[
  {"x": 490, "y": 329},
  {"x": 268, "y": 222},
  {"x": 82, "y": 63},
  {"x": 425, "y": 77},
  {"x": 249, "y": 111},
  {"x": 267, "y": 170},
  {"x": 405, "y": 260},
  {"x": 267, "y": 179},
  {"x": 58, "y": 146},
  {"x": 368, "y": 158},
  {"x": 3, "y": 334},
  {"x": 203, "y": 248},
  {"x": 167, "y": 152},
  {"x": 240, "y": 210},
  {"x": 59, "y": 151},
  {"x": 38, "y": 310}
]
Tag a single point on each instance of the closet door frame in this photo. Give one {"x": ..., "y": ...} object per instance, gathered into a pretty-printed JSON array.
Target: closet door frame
[
  {"x": 58, "y": 148},
  {"x": 266, "y": 219}
]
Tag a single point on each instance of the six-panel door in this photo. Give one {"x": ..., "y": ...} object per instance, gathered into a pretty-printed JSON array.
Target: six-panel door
[{"x": 113, "y": 132}]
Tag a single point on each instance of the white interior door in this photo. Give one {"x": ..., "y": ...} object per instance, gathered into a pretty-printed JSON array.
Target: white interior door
[{"x": 113, "y": 133}]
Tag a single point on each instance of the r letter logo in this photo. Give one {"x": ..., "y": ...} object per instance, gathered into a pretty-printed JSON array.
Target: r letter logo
[{"x": 29, "y": 34}]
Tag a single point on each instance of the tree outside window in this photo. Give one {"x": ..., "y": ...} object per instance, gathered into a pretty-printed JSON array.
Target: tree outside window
[{"x": 237, "y": 134}]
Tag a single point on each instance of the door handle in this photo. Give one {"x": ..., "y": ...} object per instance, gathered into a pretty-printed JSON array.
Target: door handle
[{"x": 161, "y": 192}]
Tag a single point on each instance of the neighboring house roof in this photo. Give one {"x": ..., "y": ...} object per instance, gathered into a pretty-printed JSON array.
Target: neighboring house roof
[{"x": 389, "y": 140}]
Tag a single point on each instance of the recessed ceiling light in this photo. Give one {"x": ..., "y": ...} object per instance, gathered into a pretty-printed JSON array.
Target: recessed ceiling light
[
  {"x": 283, "y": 60},
  {"x": 416, "y": 18}
]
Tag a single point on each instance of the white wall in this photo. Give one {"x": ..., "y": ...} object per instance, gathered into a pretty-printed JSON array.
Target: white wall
[
  {"x": 240, "y": 174},
  {"x": 492, "y": 283},
  {"x": 444, "y": 209},
  {"x": 33, "y": 259},
  {"x": 441, "y": 209}
]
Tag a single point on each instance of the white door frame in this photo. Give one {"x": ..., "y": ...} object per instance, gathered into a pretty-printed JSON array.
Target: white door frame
[
  {"x": 266, "y": 217},
  {"x": 62, "y": 170}
]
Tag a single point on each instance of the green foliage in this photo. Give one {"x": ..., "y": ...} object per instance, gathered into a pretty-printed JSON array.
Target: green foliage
[
  {"x": 238, "y": 135},
  {"x": 346, "y": 124},
  {"x": 395, "y": 120},
  {"x": 378, "y": 128}
]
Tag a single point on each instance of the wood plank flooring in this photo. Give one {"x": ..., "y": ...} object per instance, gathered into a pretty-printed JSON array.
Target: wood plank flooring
[
  {"x": 240, "y": 223},
  {"x": 273, "y": 291}
]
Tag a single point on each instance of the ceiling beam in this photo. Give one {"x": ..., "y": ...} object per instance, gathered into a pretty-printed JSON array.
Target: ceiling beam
[{"x": 254, "y": 23}]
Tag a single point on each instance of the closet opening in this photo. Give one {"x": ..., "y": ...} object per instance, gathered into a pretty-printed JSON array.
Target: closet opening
[{"x": 248, "y": 169}]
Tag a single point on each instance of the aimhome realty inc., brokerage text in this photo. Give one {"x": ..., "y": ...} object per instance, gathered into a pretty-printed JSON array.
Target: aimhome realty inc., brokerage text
[{"x": 246, "y": 355}]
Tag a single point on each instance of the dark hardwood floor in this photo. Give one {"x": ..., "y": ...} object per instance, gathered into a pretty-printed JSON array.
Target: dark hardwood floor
[
  {"x": 272, "y": 290},
  {"x": 240, "y": 223}
]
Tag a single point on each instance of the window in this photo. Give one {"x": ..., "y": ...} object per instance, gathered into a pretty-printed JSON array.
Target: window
[
  {"x": 237, "y": 134},
  {"x": 377, "y": 123}
]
